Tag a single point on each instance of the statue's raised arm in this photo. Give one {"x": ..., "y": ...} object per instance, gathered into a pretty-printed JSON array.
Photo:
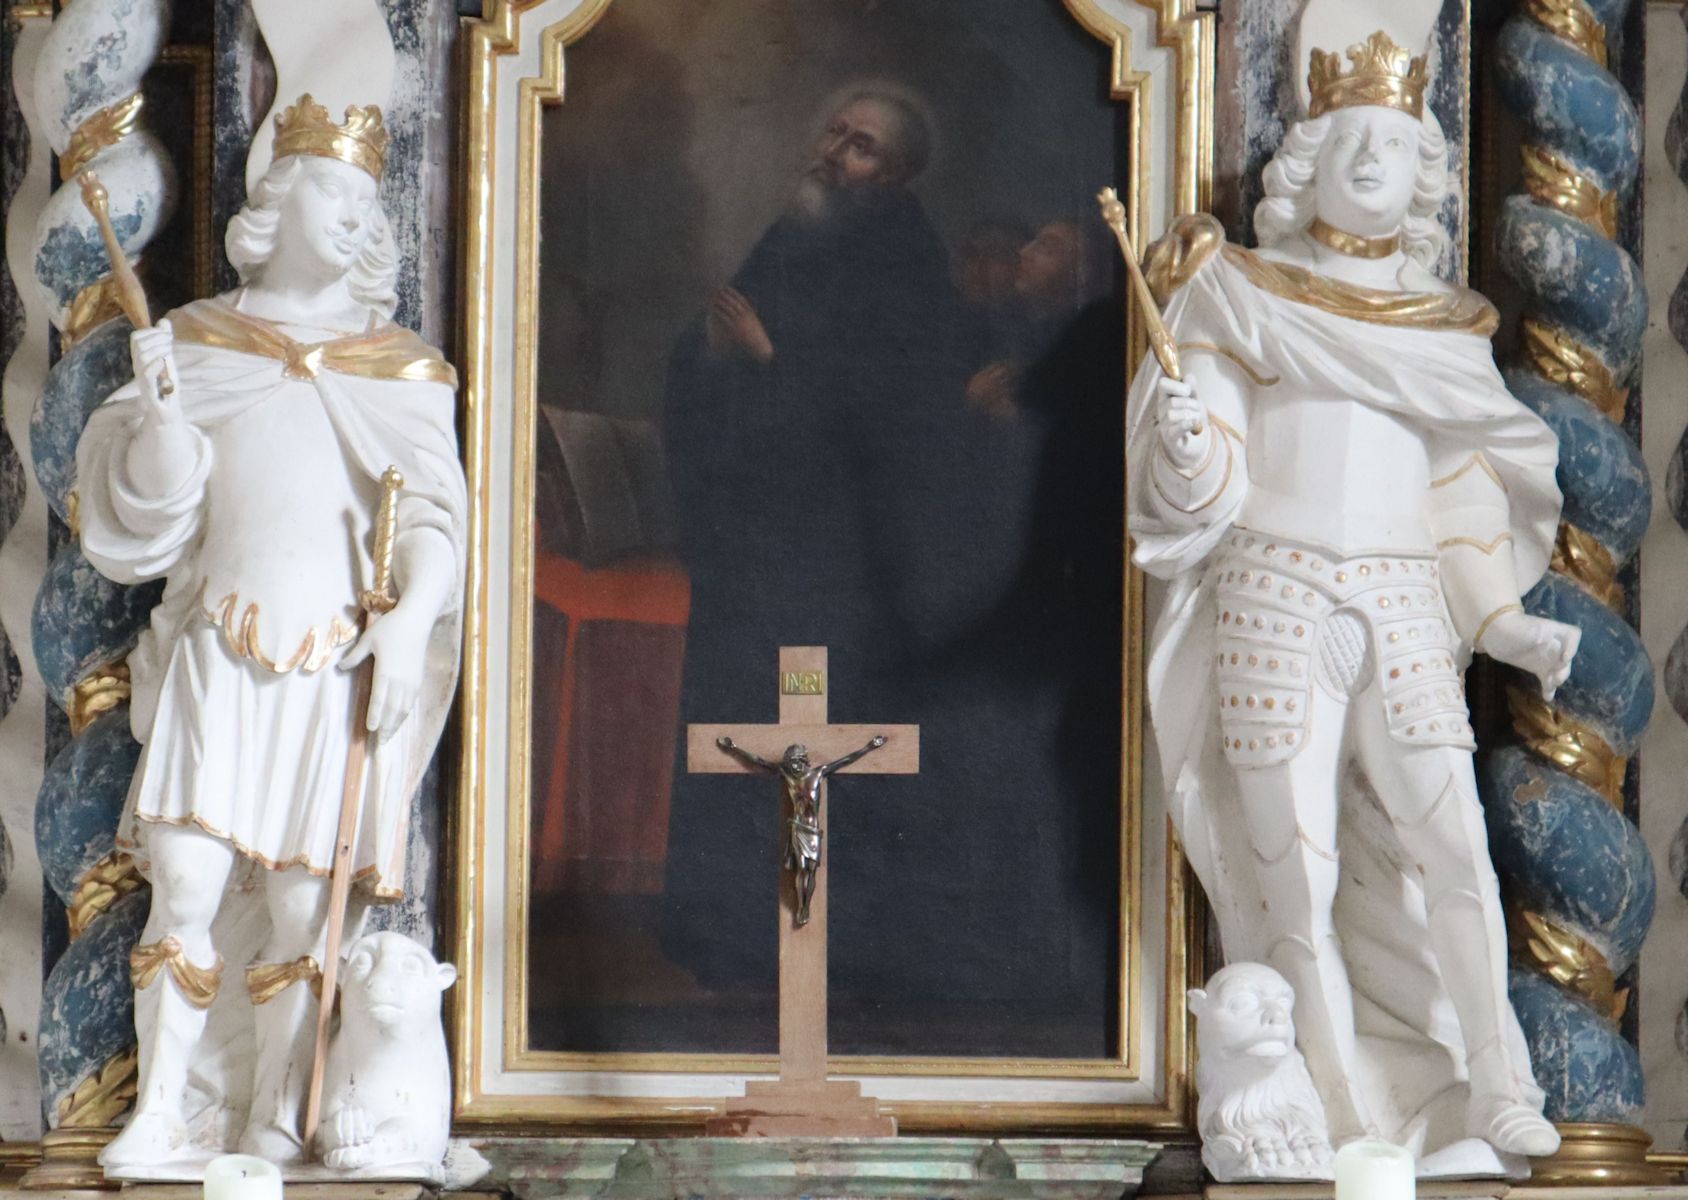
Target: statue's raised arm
[
  {"x": 838, "y": 764},
  {"x": 728, "y": 746}
]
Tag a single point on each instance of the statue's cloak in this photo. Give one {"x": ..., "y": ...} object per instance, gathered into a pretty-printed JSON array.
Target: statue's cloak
[{"x": 1425, "y": 359}]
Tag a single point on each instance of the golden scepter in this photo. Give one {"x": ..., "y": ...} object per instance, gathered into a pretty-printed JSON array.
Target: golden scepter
[
  {"x": 376, "y": 600},
  {"x": 131, "y": 297},
  {"x": 1160, "y": 338}
]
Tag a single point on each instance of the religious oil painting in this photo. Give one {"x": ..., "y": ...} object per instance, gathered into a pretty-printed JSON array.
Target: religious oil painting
[{"x": 831, "y": 351}]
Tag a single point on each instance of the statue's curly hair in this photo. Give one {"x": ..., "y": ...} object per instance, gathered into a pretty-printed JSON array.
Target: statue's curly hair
[
  {"x": 251, "y": 239},
  {"x": 1288, "y": 208}
]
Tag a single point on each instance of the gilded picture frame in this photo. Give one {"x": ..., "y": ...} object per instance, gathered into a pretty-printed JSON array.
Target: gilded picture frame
[{"x": 1162, "y": 69}]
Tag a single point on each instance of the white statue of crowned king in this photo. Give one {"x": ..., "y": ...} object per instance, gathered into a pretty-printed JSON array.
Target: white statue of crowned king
[
  {"x": 244, "y": 466},
  {"x": 1346, "y": 502}
]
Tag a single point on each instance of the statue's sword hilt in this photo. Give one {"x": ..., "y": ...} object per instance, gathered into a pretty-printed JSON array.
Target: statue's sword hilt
[
  {"x": 1160, "y": 338},
  {"x": 131, "y": 296},
  {"x": 379, "y": 598}
]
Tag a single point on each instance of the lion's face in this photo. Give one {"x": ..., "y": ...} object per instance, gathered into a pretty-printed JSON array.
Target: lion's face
[{"x": 1245, "y": 1012}]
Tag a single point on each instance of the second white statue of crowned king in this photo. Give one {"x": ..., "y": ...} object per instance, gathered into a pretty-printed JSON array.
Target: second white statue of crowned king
[
  {"x": 251, "y": 483},
  {"x": 1346, "y": 502}
]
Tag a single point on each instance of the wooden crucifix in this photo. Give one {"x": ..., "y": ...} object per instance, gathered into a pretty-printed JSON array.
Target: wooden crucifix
[{"x": 803, "y": 1102}]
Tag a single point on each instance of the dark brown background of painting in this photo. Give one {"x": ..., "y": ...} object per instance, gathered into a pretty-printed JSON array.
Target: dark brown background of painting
[{"x": 974, "y": 910}]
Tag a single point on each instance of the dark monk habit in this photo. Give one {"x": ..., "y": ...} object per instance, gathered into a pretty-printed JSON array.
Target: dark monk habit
[{"x": 803, "y": 410}]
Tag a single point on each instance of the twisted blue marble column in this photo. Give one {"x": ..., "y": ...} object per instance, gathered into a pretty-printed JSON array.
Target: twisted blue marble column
[
  {"x": 88, "y": 94},
  {"x": 1578, "y": 879}
]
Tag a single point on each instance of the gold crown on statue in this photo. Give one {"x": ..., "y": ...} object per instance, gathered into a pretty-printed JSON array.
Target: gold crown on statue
[
  {"x": 305, "y": 128},
  {"x": 1384, "y": 74}
]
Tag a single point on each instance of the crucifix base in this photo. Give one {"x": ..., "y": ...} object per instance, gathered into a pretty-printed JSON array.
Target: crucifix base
[{"x": 824, "y": 1108}]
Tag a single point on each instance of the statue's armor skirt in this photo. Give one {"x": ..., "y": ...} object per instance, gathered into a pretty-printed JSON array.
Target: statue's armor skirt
[{"x": 1297, "y": 627}]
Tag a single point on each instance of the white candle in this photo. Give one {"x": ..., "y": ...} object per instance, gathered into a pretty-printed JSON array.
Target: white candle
[
  {"x": 242, "y": 1177},
  {"x": 1374, "y": 1170}
]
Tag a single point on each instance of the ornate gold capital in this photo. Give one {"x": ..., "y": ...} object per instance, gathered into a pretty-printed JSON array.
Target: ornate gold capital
[
  {"x": 198, "y": 985},
  {"x": 1567, "y": 959},
  {"x": 1553, "y": 181},
  {"x": 1568, "y": 744},
  {"x": 1573, "y": 21},
  {"x": 266, "y": 981},
  {"x": 101, "y": 886},
  {"x": 105, "y": 128},
  {"x": 1565, "y": 361},
  {"x": 1579, "y": 554}
]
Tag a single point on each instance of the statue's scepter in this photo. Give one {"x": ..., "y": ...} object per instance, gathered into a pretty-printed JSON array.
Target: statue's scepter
[
  {"x": 376, "y": 600},
  {"x": 1160, "y": 337},
  {"x": 131, "y": 296}
]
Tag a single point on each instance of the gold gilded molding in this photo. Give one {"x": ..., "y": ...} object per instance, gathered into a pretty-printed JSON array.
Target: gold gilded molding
[
  {"x": 102, "y": 885},
  {"x": 99, "y": 691},
  {"x": 1600, "y": 1157},
  {"x": 198, "y": 985},
  {"x": 199, "y": 61},
  {"x": 1571, "y": 21},
  {"x": 1569, "y": 960},
  {"x": 1189, "y": 34},
  {"x": 1567, "y": 743},
  {"x": 1562, "y": 359},
  {"x": 104, "y": 1096},
  {"x": 1552, "y": 180},
  {"x": 1580, "y": 555},
  {"x": 100, "y": 132}
]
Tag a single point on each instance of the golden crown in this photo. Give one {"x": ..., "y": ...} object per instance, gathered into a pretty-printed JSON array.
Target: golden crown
[
  {"x": 305, "y": 128},
  {"x": 1384, "y": 74}
]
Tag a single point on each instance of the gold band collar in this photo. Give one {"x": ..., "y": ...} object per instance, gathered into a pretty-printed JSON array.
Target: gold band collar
[
  {"x": 1352, "y": 244},
  {"x": 305, "y": 128},
  {"x": 1384, "y": 75}
]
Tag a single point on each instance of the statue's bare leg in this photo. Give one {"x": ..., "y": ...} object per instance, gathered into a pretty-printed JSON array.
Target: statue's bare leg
[
  {"x": 1291, "y": 809},
  {"x": 285, "y": 1016},
  {"x": 176, "y": 971},
  {"x": 1430, "y": 794},
  {"x": 804, "y": 882}
]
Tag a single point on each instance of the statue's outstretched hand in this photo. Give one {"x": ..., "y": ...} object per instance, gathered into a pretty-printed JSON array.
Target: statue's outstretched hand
[
  {"x": 1182, "y": 418},
  {"x": 1538, "y": 645},
  {"x": 152, "y": 354},
  {"x": 399, "y": 644}
]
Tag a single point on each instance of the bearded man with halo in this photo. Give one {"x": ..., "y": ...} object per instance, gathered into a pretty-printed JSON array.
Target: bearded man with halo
[
  {"x": 251, "y": 485},
  {"x": 1346, "y": 503}
]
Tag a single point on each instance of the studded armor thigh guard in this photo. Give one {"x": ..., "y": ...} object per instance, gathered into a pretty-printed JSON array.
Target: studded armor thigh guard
[{"x": 1290, "y": 617}]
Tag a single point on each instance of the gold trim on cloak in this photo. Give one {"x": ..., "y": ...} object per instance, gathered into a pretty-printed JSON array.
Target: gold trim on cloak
[
  {"x": 1458, "y": 311},
  {"x": 386, "y": 352},
  {"x": 1192, "y": 240}
]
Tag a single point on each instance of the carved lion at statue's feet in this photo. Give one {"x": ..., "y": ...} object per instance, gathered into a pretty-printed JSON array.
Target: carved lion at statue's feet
[{"x": 1259, "y": 1117}]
